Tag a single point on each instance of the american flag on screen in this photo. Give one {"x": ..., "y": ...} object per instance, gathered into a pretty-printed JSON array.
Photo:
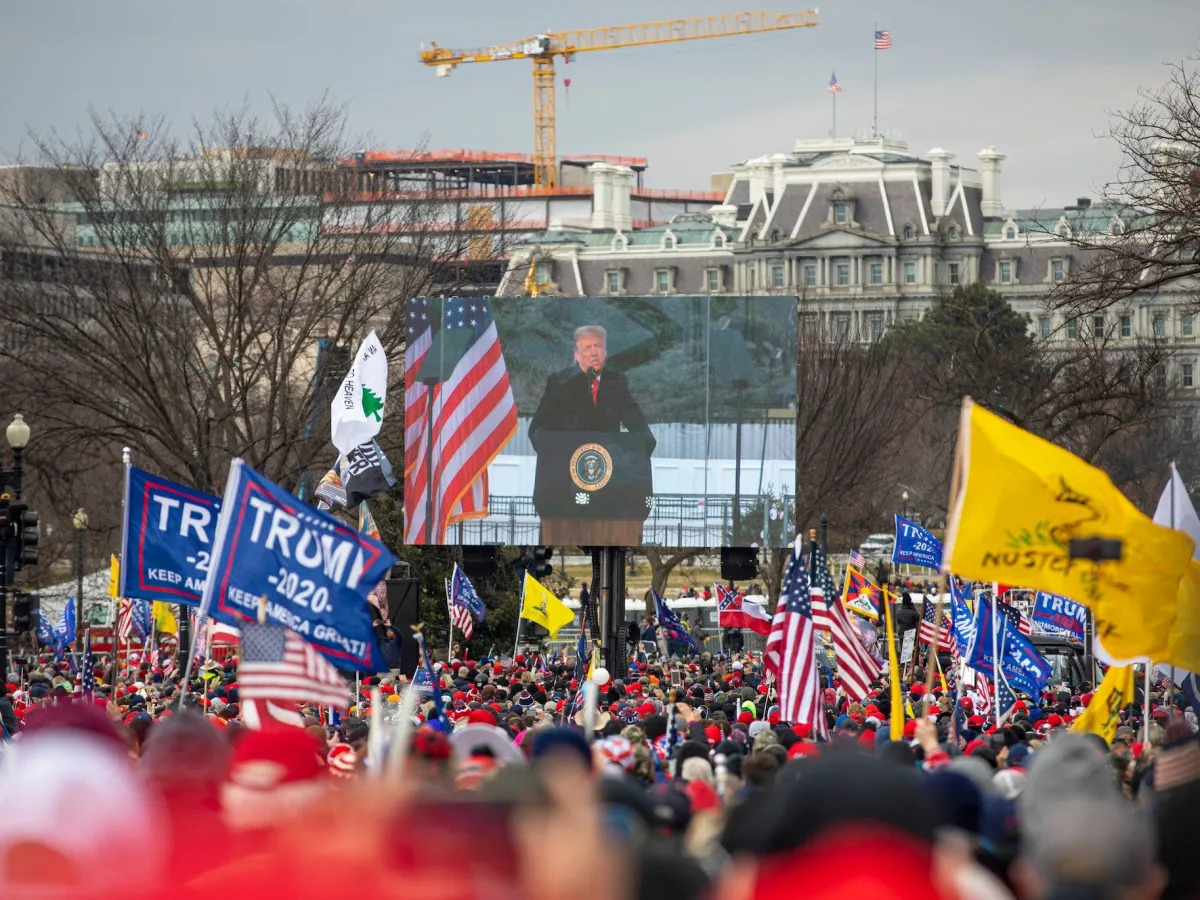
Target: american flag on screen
[
  {"x": 418, "y": 336},
  {"x": 790, "y": 652},
  {"x": 929, "y": 631},
  {"x": 278, "y": 664},
  {"x": 856, "y": 667},
  {"x": 883, "y": 40},
  {"x": 465, "y": 606},
  {"x": 473, "y": 415}
]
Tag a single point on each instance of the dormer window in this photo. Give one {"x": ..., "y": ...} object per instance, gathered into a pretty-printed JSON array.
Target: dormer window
[
  {"x": 776, "y": 235},
  {"x": 952, "y": 233},
  {"x": 669, "y": 242},
  {"x": 620, "y": 242},
  {"x": 719, "y": 241},
  {"x": 909, "y": 232},
  {"x": 841, "y": 212},
  {"x": 1117, "y": 227},
  {"x": 1062, "y": 229},
  {"x": 1010, "y": 233}
]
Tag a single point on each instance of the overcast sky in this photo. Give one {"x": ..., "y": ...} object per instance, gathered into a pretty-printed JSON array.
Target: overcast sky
[{"x": 1035, "y": 78}]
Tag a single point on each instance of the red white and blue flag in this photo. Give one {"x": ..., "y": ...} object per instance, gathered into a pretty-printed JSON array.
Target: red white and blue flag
[
  {"x": 472, "y": 414},
  {"x": 738, "y": 612},
  {"x": 929, "y": 631},
  {"x": 790, "y": 652},
  {"x": 834, "y": 86},
  {"x": 883, "y": 40},
  {"x": 466, "y": 609}
]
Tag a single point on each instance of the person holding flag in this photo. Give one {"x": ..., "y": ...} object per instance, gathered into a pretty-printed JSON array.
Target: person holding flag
[{"x": 674, "y": 631}]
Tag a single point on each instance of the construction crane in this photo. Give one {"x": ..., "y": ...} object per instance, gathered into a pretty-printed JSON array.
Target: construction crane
[{"x": 543, "y": 48}]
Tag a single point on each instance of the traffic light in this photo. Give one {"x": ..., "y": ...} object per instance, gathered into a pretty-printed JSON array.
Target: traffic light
[
  {"x": 541, "y": 566},
  {"x": 25, "y": 528},
  {"x": 23, "y": 609}
]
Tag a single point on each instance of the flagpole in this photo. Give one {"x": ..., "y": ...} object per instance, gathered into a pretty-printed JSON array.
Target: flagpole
[
  {"x": 520, "y": 615},
  {"x": 833, "y": 131},
  {"x": 995, "y": 651},
  {"x": 875, "y": 118},
  {"x": 450, "y": 617}
]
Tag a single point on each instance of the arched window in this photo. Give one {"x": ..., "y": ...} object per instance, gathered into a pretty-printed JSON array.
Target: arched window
[
  {"x": 719, "y": 240},
  {"x": 952, "y": 233},
  {"x": 1010, "y": 233},
  {"x": 669, "y": 242},
  {"x": 909, "y": 232},
  {"x": 776, "y": 235}
]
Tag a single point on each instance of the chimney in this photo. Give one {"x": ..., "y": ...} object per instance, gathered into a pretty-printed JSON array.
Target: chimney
[
  {"x": 602, "y": 184},
  {"x": 760, "y": 176},
  {"x": 723, "y": 215},
  {"x": 989, "y": 168},
  {"x": 622, "y": 186},
  {"x": 940, "y": 160}
]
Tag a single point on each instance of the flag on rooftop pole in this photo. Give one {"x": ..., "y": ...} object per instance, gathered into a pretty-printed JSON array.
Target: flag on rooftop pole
[
  {"x": 834, "y": 86},
  {"x": 883, "y": 40}
]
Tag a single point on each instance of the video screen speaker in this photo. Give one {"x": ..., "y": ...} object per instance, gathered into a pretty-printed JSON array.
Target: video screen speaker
[
  {"x": 739, "y": 563},
  {"x": 480, "y": 562},
  {"x": 404, "y": 609}
]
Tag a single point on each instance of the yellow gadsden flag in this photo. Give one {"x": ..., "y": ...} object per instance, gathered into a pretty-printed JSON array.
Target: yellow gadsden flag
[
  {"x": 164, "y": 619},
  {"x": 1102, "y": 715},
  {"x": 1017, "y": 503},
  {"x": 542, "y": 607},
  {"x": 114, "y": 577}
]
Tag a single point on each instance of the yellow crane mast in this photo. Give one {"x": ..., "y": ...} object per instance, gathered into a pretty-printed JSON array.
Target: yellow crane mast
[{"x": 543, "y": 48}]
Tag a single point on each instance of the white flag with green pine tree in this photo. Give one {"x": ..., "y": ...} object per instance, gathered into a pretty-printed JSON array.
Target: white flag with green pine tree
[{"x": 356, "y": 413}]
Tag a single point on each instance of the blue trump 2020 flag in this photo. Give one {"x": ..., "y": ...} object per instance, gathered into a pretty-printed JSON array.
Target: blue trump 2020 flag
[
  {"x": 668, "y": 621},
  {"x": 962, "y": 622},
  {"x": 1053, "y": 614},
  {"x": 915, "y": 546},
  {"x": 1022, "y": 665},
  {"x": 306, "y": 569},
  {"x": 166, "y": 539}
]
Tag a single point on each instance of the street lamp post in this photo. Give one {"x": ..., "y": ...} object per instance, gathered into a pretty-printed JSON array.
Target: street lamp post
[
  {"x": 17, "y": 435},
  {"x": 904, "y": 498},
  {"x": 80, "y": 521}
]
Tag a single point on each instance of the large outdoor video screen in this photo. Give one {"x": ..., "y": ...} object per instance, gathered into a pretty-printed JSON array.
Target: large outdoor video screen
[{"x": 614, "y": 421}]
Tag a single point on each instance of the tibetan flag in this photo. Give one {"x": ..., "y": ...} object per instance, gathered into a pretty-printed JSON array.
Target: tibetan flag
[
  {"x": 1102, "y": 715},
  {"x": 543, "y": 608},
  {"x": 861, "y": 594},
  {"x": 1020, "y": 500}
]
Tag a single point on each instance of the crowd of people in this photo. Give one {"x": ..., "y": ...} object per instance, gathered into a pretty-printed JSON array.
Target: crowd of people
[{"x": 689, "y": 785}]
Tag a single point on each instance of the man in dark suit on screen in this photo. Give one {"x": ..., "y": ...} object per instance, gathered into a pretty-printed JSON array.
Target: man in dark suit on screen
[{"x": 587, "y": 397}]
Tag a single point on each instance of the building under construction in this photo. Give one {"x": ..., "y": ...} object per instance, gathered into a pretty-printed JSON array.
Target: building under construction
[{"x": 494, "y": 198}]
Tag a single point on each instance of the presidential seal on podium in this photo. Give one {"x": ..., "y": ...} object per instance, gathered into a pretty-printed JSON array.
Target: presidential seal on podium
[{"x": 591, "y": 467}]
